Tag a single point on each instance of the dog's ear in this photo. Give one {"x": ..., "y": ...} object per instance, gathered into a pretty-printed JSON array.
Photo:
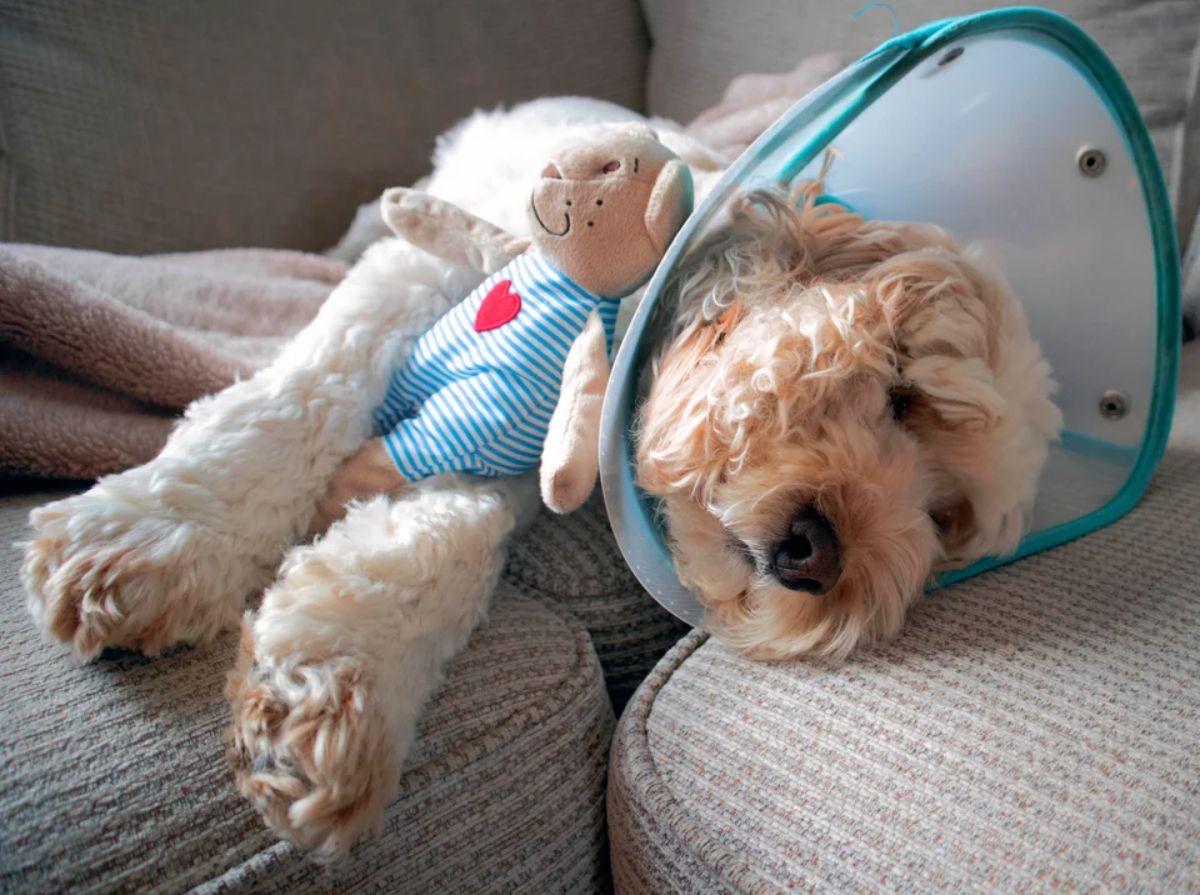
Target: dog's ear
[
  {"x": 945, "y": 317},
  {"x": 678, "y": 449},
  {"x": 962, "y": 392}
]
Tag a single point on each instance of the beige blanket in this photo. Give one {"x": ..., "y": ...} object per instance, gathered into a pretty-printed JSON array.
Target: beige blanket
[
  {"x": 752, "y": 103},
  {"x": 99, "y": 353}
]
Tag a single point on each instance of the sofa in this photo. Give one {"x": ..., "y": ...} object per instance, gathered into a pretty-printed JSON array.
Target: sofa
[{"x": 1034, "y": 729}]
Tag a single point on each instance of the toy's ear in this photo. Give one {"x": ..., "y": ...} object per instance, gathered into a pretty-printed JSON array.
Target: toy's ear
[{"x": 670, "y": 202}]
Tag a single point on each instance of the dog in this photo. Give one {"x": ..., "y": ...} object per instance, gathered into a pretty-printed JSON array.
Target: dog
[
  {"x": 169, "y": 553},
  {"x": 844, "y": 408}
]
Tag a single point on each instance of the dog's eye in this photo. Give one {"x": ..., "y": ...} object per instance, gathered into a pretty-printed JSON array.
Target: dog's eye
[
  {"x": 955, "y": 523},
  {"x": 901, "y": 400}
]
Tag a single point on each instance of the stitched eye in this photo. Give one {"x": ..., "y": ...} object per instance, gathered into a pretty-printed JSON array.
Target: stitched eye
[{"x": 901, "y": 400}]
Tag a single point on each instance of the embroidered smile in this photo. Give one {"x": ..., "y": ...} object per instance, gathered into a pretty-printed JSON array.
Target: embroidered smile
[{"x": 542, "y": 224}]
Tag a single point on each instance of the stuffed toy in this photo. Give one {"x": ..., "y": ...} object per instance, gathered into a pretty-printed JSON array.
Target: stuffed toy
[{"x": 515, "y": 374}]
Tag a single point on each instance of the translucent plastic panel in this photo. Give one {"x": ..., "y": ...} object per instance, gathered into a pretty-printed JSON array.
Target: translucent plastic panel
[
  {"x": 1008, "y": 138},
  {"x": 1004, "y": 143}
]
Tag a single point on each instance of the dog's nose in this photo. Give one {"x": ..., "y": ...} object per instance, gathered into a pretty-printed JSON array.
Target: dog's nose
[{"x": 808, "y": 559}]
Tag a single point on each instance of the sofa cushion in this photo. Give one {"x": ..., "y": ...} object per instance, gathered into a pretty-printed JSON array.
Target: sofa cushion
[
  {"x": 113, "y": 777},
  {"x": 137, "y": 127},
  {"x": 574, "y": 561},
  {"x": 699, "y": 46},
  {"x": 1034, "y": 729}
]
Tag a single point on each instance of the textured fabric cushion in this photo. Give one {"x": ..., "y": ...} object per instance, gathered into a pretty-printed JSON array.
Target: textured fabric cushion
[
  {"x": 137, "y": 126},
  {"x": 113, "y": 778},
  {"x": 574, "y": 561},
  {"x": 1035, "y": 729},
  {"x": 700, "y": 45}
]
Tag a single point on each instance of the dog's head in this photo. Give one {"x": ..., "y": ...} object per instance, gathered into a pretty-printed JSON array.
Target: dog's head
[{"x": 846, "y": 407}]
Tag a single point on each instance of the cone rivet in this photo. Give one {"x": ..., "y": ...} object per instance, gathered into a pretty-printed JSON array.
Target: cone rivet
[
  {"x": 1091, "y": 161},
  {"x": 1113, "y": 404}
]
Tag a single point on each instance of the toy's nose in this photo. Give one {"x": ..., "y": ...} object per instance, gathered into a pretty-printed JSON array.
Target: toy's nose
[
  {"x": 808, "y": 558},
  {"x": 586, "y": 164}
]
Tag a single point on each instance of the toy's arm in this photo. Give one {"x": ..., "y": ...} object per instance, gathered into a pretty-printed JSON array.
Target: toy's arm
[
  {"x": 443, "y": 229},
  {"x": 571, "y": 454},
  {"x": 369, "y": 472}
]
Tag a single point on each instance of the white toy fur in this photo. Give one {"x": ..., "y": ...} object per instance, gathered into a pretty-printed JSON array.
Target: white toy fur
[{"x": 352, "y": 639}]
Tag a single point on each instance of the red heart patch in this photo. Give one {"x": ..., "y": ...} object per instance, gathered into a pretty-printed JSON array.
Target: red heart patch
[{"x": 499, "y": 306}]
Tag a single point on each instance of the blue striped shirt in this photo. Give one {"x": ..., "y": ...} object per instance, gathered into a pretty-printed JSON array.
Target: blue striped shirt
[{"x": 480, "y": 401}]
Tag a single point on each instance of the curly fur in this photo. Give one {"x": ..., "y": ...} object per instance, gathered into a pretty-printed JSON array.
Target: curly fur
[
  {"x": 801, "y": 327},
  {"x": 348, "y": 645}
]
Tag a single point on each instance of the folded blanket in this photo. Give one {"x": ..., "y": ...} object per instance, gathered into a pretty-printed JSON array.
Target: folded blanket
[
  {"x": 752, "y": 102},
  {"x": 99, "y": 353}
]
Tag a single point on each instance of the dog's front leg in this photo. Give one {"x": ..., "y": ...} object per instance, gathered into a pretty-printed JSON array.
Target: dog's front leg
[
  {"x": 169, "y": 551},
  {"x": 339, "y": 661}
]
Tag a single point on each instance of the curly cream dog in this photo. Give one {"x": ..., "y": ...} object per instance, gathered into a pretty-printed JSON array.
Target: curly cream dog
[
  {"x": 804, "y": 335},
  {"x": 847, "y": 406}
]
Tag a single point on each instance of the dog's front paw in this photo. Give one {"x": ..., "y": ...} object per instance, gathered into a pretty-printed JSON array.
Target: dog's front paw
[
  {"x": 310, "y": 747},
  {"x": 103, "y": 570}
]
